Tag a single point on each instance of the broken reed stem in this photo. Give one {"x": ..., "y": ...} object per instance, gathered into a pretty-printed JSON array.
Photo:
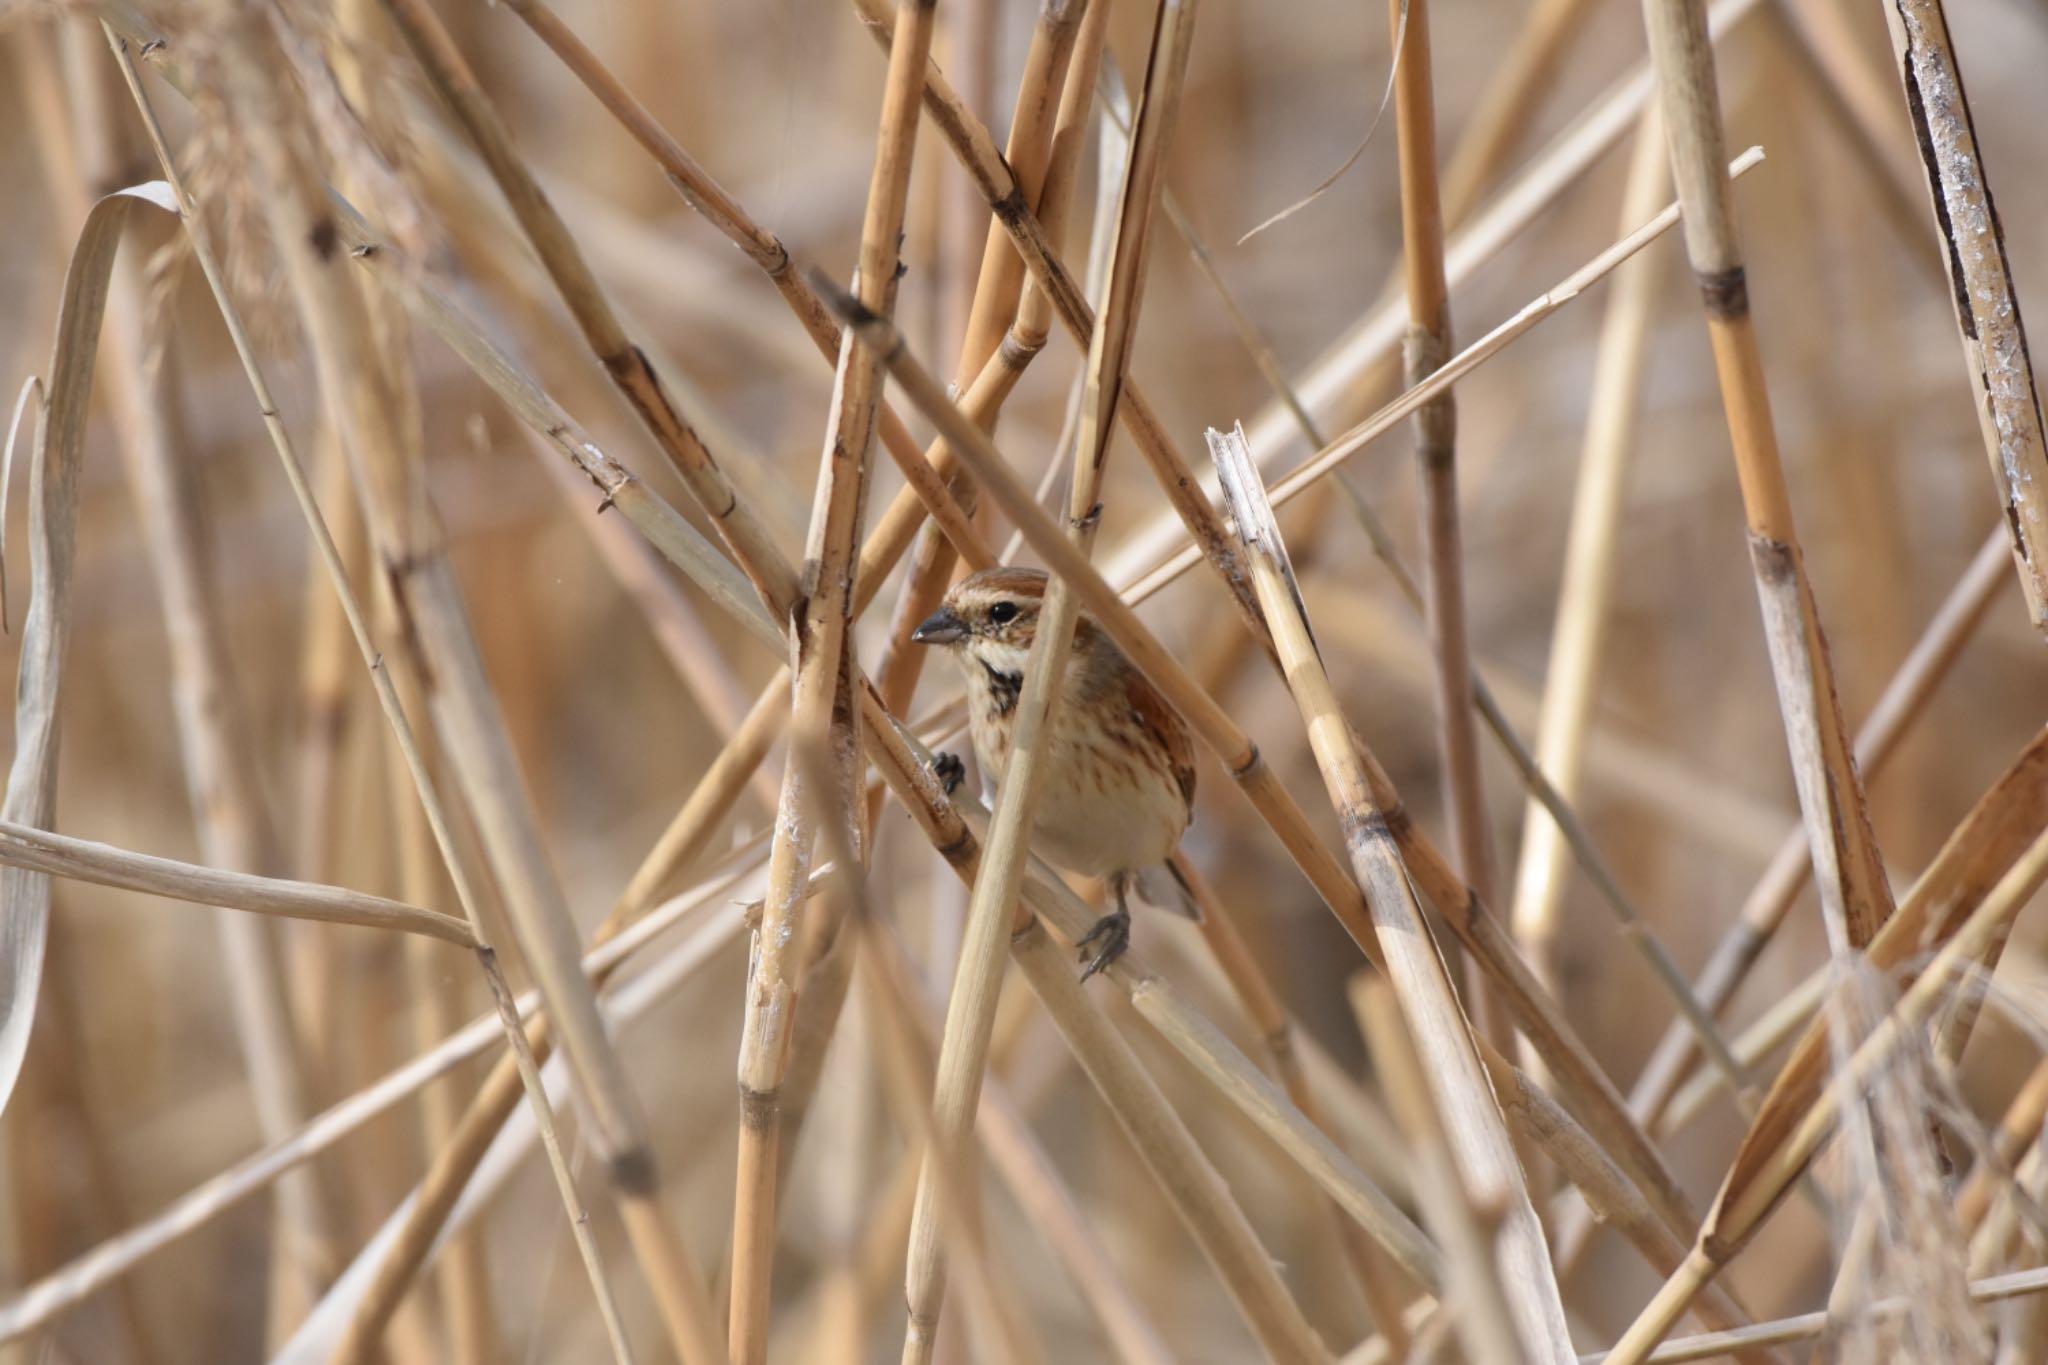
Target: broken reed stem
[
  {"x": 1435, "y": 425},
  {"x": 1855, "y": 898},
  {"x": 1480, "y": 1315},
  {"x": 1753, "y": 1193},
  {"x": 1987, "y": 305},
  {"x": 326, "y": 300},
  {"x": 82, "y": 860},
  {"x": 1478, "y": 1136},
  {"x": 825, "y": 716},
  {"x": 1585, "y": 587}
]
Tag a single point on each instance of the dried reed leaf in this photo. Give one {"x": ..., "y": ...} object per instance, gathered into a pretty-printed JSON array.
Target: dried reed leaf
[
  {"x": 31, "y": 391},
  {"x": 31, "y": 797}
]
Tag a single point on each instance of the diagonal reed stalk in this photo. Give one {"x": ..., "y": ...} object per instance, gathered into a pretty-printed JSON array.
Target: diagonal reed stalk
[
  {"x": 1904, "y": 699},
  {"x": 1482, "y": 1319},
  {"x": 1440, "y": 1032},
  {"x": 60, "y": 855}
]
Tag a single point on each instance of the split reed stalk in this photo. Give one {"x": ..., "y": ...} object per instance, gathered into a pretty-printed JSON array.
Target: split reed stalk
[{"x": 1995, "y": 351}]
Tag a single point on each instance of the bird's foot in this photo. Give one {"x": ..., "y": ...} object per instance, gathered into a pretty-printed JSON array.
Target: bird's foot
[
  {"x": 1113, "y": 933},
  {"x": 950, "y": 771}
]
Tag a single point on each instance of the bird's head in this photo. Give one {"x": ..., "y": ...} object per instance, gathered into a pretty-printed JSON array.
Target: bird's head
[{"x": 991, "y": 616}]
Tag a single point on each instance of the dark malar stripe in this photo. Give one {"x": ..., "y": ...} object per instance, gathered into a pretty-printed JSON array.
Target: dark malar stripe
[{"x": 1005, "y": 688}]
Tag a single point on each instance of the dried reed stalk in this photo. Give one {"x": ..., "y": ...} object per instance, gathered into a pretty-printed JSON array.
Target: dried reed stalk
[
  {"x": 59, "y": 855},
  {"x": 1481, "y": 1315},
  {"x": 1377, "y": 1277},
  {"x": 53, "y": 527},
  {"x": 1018, "y": 1158},
  {"x": 215, "y": 743},
  {"x": 1435, "y": 425},
  {"x": 1987, "y": 306},
  {"x": 1579, "y": 631},
  {"x": 1478, "y": 1136},
  {"x": 1855, "y": 897},
  {"x": 40, "y": 1303}
]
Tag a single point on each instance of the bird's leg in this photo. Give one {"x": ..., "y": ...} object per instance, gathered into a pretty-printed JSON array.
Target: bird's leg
[
  {"x": 1112, "y": 931},
  {"x": 950, "y": 771}
]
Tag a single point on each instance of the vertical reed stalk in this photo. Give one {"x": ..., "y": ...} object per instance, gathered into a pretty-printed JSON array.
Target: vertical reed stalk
[
  {"x": 1855, "y": 898},
  {"x": 826, "y": 717},
  {"x": 1435, "y": 425}
]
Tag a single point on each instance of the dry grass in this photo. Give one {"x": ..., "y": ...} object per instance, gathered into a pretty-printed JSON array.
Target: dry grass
[{"x": 472, "y": 754}]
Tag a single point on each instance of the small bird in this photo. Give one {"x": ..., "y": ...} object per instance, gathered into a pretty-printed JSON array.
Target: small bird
[{"x": 1120, "y": 784}]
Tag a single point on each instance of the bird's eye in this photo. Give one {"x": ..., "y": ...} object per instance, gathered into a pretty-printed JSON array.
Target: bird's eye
[{"x": 1002, "y": 613}]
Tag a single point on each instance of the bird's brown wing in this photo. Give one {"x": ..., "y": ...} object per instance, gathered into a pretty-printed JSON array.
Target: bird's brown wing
[{"x": 1166, "y": 729}]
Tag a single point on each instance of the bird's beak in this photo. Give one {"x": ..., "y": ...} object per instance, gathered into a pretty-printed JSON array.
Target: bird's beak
[{"x": 942, "y": 627}]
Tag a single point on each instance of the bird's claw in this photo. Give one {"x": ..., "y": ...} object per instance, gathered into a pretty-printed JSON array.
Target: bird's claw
[
  {"x": 1113, "y": 933},
  {"x": 950, "y": 771}
]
